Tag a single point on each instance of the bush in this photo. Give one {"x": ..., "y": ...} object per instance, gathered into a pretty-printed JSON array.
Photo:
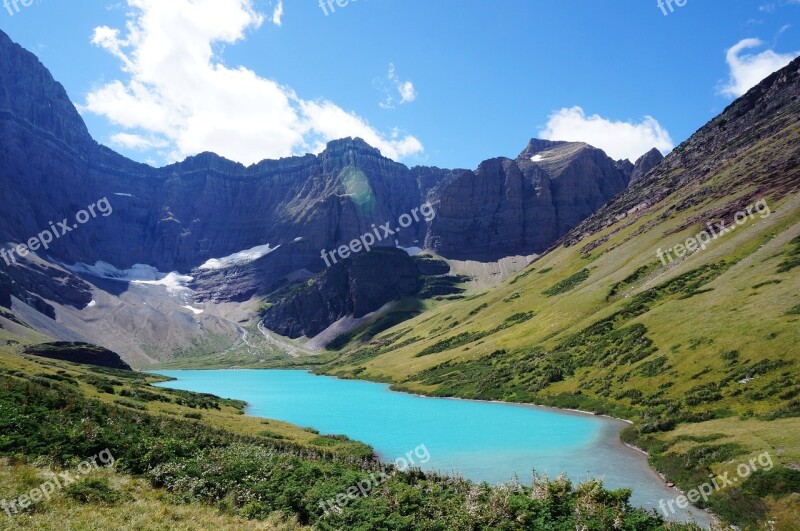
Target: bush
[{"x": 94, "y": 490}]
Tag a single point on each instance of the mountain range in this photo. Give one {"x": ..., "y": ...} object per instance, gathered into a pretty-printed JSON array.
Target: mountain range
[
  {"x": 184, "y": 217},
  {"x": 664, "y": 291}
]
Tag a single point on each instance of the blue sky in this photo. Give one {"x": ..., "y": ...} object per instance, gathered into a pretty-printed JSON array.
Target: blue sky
[{"x": 444, "y": 82}]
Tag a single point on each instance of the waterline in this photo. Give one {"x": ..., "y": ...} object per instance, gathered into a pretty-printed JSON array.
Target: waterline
[{"x": 481, "y": 441}]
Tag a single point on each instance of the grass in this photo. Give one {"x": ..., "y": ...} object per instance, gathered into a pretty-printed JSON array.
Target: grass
[
  {"x": 174, "y": 473},
  {"x": 638, "y": 339},
  {"x": 568, "y": 284},
  {"x": 137, "y": 505}
]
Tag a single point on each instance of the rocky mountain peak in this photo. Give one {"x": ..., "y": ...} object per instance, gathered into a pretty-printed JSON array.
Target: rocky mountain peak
[
  {"x": 645, "y": 163},
  {"x": 29, "y": 93},
  {"x": 536, "y": 146},
  {"x": 350, "y": 145}
]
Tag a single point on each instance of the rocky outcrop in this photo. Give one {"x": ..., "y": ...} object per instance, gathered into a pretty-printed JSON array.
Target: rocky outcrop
[
  {"x": 767, "y": 111},
  {"x": 82, "y": 353},
  {"x": 6, "y": 290},
  {"x": 354, "y": 287},
  {"x": 10, "y": 286},
  {"x": 522, "y": 206},
  {"x": 645, "y": 163},
  {"x": 49, "y": 282},
  {"x": 179, "y": 216}
]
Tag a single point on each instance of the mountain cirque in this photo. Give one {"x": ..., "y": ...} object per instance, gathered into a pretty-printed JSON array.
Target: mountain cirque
[{"x": 177, "y": 217}]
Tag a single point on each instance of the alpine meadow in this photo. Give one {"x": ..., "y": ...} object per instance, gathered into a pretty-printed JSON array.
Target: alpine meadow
[{"x": 400, "y": 265}]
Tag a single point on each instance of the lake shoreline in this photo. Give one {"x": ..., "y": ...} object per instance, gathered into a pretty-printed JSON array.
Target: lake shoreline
[{"x": 607, "y": 438}]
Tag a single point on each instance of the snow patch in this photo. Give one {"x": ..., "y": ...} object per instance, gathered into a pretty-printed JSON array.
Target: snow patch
[
  {"x": 242, "y": 257},
  {"x": 137, "y": 274},
  {"x": 91, "y": 304},
  {"x": 536, "y": 158},
  {"x": 174, "y": 282},
  {"x": 412, "y": 251},
  {"x": 105, "y": 270},
  {"x": 193, "y": 310}
]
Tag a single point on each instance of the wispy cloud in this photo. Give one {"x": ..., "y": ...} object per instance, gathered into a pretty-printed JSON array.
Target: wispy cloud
[
  {"x": 277, "y": 14},
  {"x": 619, "y": 139},
  {"x": 175, "y": 95},
  {"x": 137, "y": 142},
  {"x": 398, "y": 92},
  {"x": 747, "y": 70}
]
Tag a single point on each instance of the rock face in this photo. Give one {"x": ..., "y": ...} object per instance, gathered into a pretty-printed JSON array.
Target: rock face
[
  {"x": 82, "y": 353},
  {"x": 6, "y": 290},
  {"x": 770, "y": 107},
  {"x": 49, "y": 282},
  {"x": 645, "y": 163},
  {"x": 179, "y": 216},
  {"x": 355, "y": 287},
  {"x": 522, "y": 206}
]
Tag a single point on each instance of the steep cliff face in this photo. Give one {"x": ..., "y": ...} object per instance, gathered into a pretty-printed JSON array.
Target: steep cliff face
[
  {"x": 770, "y": 108},
  {"x": 521, "y": 206},
  {"x": 354, "y": 287},
  {"x": 179, "y": 216},
  {"x": 645, "y": 163}
]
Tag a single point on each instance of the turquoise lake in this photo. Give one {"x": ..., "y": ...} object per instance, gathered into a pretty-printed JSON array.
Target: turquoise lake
[{"x": 482, "y": 441}]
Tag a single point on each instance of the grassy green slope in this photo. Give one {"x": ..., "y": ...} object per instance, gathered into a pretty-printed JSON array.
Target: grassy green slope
[
  {"x": 190, "y": 461},
  {"x": 711, "y": 339}
]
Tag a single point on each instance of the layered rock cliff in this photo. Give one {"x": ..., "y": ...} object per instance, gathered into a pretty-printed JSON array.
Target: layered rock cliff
[
  {"x": 355, "y": 287},
  {"x": 645, "y": 163},
  {"x": 522, "y": 206},
  {"x": 179, "y": 216}
]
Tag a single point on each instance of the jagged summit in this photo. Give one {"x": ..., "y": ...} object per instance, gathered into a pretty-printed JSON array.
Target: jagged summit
[
  {"x": 770, "y": 107},
  {"x": 645, "y": 163},
  {"x": 206, "y": 206}
]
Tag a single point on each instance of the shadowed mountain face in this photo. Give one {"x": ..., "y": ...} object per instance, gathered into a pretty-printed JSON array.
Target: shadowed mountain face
[
  {"x": 521, "y": 206},
  {"x": 645, "y": 163},
  {"x": 179, "y": 216},
  {"x": 355, "y": 287}
]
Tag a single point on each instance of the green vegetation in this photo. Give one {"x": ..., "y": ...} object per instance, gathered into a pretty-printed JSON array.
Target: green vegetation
[
  {"x": 528, "y": 271},
  {"x": 568, "y": 284},
  {"x": 448, "y": 285},
  {"x": 199, "y": 465},
  {"x": 453, "y": 342},
  {"x": 792, "y": 257},
  {"x": 94, "y": 490},
  {"x": 695, "y": 346}
]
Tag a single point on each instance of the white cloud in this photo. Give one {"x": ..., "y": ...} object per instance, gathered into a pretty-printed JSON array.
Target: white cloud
[
  {"x": 399, "y": 92},
  {"x": 620, "y": 140},
  {"x": 277, "y": 15},
  {"x": 179, "y": 97},
  {"x": 136, "y": 142},
  {"x": 747, "y": 70}
]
